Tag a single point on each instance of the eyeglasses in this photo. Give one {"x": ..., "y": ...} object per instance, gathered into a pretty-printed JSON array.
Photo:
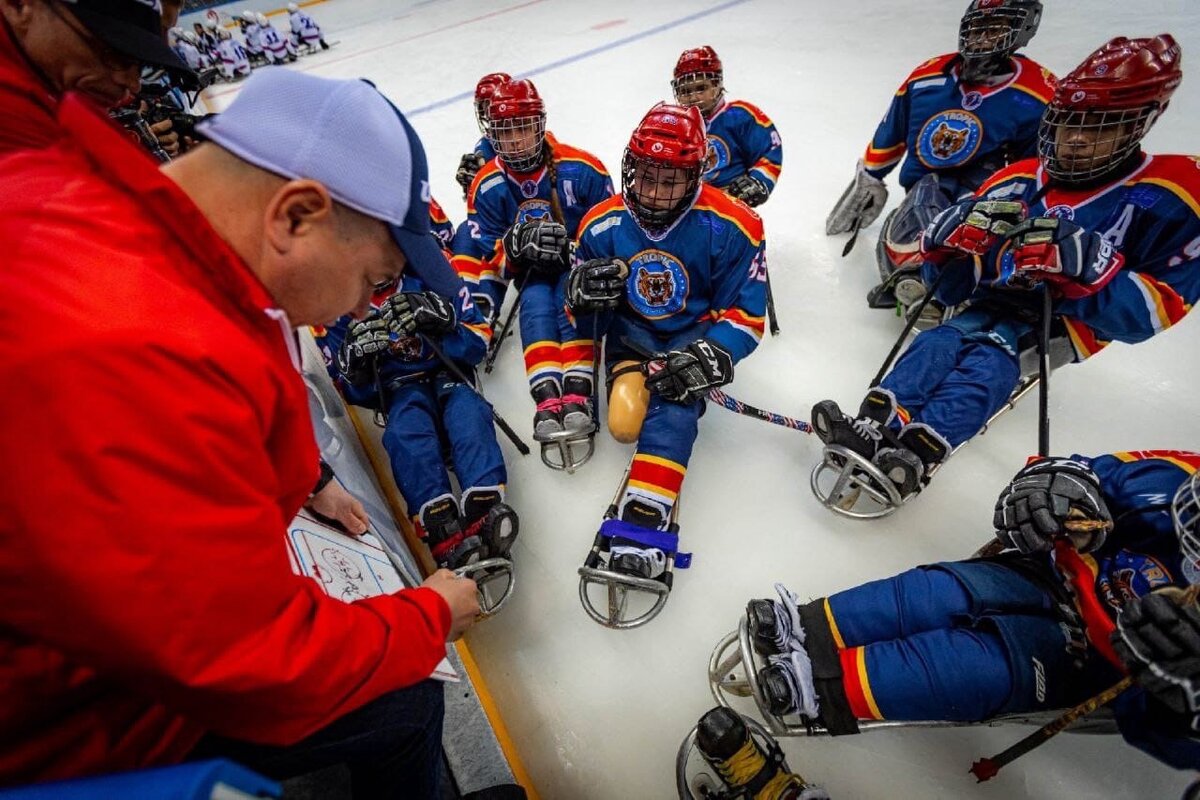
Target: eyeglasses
[{"x": 106, "y": 55}]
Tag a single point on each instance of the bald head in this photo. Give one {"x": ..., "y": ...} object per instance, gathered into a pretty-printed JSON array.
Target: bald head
[{"x": 317, "y": 258}]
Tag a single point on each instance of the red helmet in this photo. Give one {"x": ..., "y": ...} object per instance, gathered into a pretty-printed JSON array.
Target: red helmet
[
  {"x": 699, "y": 79},
  {"x": 483, "y": 94},
  {"x": 1117, "y": 92},
  {"x": 517, "y": 124},
  {"x": 698, "y": 59},
  {"x": 661, "y": 170}
]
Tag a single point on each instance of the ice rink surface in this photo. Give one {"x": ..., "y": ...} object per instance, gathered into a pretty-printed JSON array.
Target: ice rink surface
[{"x": 598, "y": 713}]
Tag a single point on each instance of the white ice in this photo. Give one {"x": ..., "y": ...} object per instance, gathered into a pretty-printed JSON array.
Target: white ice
[{"x": 597, "y": 713}]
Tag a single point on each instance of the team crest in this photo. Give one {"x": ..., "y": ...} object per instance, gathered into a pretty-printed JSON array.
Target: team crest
[
  {"x": 1060, "y": 212},
  {"x": 1127, "y": 575},
  {"x": 718, "y": 156},
  {"x": 657, "y": 284},
  {"x": 949, "y": 139},
  {"x": 972, "y": 100},
  {"x": 533, "y": 209},
  {"x": 407, "y": 348}
]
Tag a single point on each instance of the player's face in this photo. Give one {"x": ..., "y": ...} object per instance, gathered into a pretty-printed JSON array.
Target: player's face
[
  {"x": 700, "y": 91},
  {"x": 986, "y": 36},
  {"x": 659, "y": 188},
  {"x": 1088, "y": 141},
  {"x": 516, "y": 138}
]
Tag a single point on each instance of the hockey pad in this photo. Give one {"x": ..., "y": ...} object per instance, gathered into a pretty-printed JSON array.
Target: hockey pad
[
  {"x": 1158, "y": 639},
  {"x": 1052, "y": 498},
  {"x": 859, "y": 205}
]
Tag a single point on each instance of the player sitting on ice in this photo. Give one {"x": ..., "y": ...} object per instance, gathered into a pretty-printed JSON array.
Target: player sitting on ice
[
  {"x": 386, "y": 361},
  {"x": 470, "y": 164},
  {"x": 1030, "y": 629},
  {"x": 248, "y": 23},
  {"x": 187, "y": 46},
  {"x": 206, "y": 37},
  {"x": 745, "y": 153},
  {"x": 523, "y": 208},
  {"x": 277, "y": 48},
  {"x": 305, "y": 31},
  {"x": 232, "y": 59},
  {"x": 671, "y": 272},
  {"x": 1112, "y": 233},
  {"x": 954, "y": 121}
]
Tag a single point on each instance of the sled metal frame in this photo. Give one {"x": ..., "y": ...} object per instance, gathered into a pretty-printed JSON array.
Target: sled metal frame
[
  {"x": 487, "y": 573},
  {"x": 595, "y": 572},
  {"x": 855, "y": 475},
  {"x": 567, "y": 445},
  {"x": 735, "y": 651}
]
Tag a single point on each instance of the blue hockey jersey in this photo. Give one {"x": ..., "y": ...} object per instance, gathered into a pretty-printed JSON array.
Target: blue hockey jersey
[
  {"x": 962, "y": 131},
  {"x": 1151, "y": 216},
  {"x": 742, "y": 140},
  {"x": 710, "y": 266},
  {"x": 499, "y": 198},
  {"x": 484, "y": 148},
  {"x": 410, "y": 356}
]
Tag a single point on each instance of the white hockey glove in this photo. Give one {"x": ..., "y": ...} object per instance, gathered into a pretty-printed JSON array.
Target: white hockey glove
[{"x": 859, "y": 205}]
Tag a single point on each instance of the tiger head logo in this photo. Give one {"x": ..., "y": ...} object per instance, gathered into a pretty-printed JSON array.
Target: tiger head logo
[
  {"x": 946, "y": 141},
  {"x": 656, "y": 287}
]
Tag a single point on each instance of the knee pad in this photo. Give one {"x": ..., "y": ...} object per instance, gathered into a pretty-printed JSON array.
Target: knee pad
[{"x": 628, "y": 399}]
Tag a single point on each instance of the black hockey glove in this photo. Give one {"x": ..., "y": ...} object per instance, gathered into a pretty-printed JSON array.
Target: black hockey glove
[
  {"x": 750, "y": 191},
  {"x": 540, "y": 244},
  {"x": 413, "y": 313},
  {"x": 1050, "y": 498},
  {"x": 685, "y": 375},
  {"x": 597, "y": 284},
  {"x": 1158, "y": 639},
  {"x": 468, "y": 168},
  {"x": 970, "y": 227},
  {"x": 365, "y": 340}
]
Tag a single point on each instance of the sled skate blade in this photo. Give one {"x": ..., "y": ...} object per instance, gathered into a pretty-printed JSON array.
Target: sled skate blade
[
  {"x": 848, "y": 484},
  {"x": 615, "y": 590},
  {"x": 567, "y": 451},
  {"x": 494, "y": 583}
]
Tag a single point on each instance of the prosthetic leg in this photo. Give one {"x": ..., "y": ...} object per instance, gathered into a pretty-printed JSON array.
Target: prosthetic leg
[{"x": 598, "y": 572}]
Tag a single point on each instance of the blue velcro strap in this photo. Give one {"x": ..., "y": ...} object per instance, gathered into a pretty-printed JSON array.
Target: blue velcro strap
[{"x": 662, "y": 540}]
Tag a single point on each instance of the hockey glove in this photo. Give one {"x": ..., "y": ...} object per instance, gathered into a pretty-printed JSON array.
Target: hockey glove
[
  {"x": 970, "y": 227},
  {"x": 750, "y": 191},
  {"x": 682, "y": 376},
  {"x": 1074, "y": 261},
  {"x": 1050, "y": 498},
  {"x": 540, "y": 244},
  {"x": 859, "y": 205},
  {"x": 1158, "y": 639},
  {"x": 597, "y": 284},
  {"x": 413, "y": 313},
  {"x": 365, "y": 339},
  {"x": 468, "y": 168}
]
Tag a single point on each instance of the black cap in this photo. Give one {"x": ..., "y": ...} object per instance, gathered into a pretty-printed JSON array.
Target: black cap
[{"x": 132, "y": 28}]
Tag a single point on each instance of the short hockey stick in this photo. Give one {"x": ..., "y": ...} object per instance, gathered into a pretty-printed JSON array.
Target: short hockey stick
[
  {"x": 738, "y": 407},
  {"x": 772, "y": 320}
]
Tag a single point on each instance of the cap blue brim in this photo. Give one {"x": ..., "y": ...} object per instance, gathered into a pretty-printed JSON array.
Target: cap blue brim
[{"x": 427, "y": 260}]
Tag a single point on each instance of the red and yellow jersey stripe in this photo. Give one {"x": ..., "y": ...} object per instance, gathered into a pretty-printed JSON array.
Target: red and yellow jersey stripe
[
  {"x": 565, "y": 152},
  {"x": 768, "y": 168},
  {"x": 876, "y": 158},
  {"x": 754, "y": 111},
  {"x": 857, "y": 683},
  {"x": 738, "y": 318},
  {"x": 1187, "y": 461},
  {"x": 614, "y": 204},
  {"x": 927, "y": 69},
  {"x": 1163, "y": 303},
  {"x": 1083, "y": 338},
  {"x": 656, "y": 476},
  {"x": 736, "y": 212},
  {"x": 487, "y": 171}
]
